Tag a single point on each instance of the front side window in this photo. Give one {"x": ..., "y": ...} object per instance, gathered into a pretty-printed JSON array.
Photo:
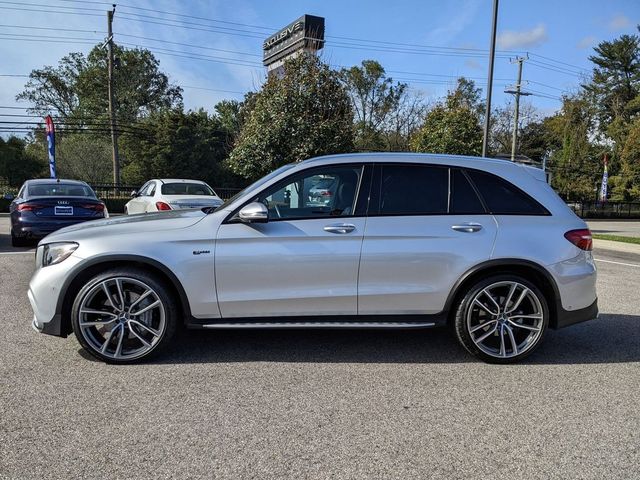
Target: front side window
[
  {"x": 414, "y": 190},
  {"x": 321, "y": 192}
]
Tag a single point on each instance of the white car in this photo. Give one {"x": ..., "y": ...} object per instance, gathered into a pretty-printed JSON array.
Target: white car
[{"x": 171, "y": 194}]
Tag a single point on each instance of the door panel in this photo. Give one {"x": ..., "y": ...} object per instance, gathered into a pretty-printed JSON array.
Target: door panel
[
  {"x": 288, "y": 267},
  {"x": 410, "y": 263}
]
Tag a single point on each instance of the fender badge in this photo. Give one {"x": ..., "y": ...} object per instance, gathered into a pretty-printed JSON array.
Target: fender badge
[{"x": 200, "y": 252}]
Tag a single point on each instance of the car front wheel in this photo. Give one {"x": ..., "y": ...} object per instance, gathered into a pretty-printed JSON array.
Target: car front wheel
[
  {"x": 124, "y": 315},
  {"x": 502, "y": 319}
]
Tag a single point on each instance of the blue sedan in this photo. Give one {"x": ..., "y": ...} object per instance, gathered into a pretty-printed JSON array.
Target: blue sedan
[{"x": 46, "y": 205}]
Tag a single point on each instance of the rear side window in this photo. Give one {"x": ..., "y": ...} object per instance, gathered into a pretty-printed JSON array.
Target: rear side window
[
  {"x": 464, "y": 199},
  {"x": 414, "y": 190},
  {"x": 503, "y": 198}
]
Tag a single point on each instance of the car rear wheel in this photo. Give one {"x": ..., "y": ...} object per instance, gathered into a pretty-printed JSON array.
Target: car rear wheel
[
  {"x": 501, "y": 319},
  {"x": 124, "y": 315}
]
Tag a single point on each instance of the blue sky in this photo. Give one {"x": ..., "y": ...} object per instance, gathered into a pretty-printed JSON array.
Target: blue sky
[{"x": 559, "y": 35}]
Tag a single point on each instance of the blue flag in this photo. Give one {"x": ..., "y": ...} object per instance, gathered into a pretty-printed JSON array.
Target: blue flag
[{"x": 51, "y": 145}]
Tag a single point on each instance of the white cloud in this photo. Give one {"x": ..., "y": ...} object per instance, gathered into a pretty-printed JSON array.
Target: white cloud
[
  {"x": 619, "y": 22},
  {"x": 586, "y": 42},
  {"x": 523, "y": 39}
]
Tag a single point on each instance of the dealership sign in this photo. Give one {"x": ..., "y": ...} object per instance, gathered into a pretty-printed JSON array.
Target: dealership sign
[{"x": 306, "y": 33}]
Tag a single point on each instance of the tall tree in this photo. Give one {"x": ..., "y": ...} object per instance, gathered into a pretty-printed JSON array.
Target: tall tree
[
  {"x": 577, "y": 166},
  {"x": 77, "y": 88},
  {"x": 452, "y": 126},
  {"x": 16, "y": 163},
  {"x": 375, "y": 97},
  {"x": 304, "y": 113},
  {"x": 176, "y": 144}
]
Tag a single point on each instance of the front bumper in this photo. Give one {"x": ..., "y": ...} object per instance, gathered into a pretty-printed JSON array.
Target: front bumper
[{"x": 44, "y": 296}]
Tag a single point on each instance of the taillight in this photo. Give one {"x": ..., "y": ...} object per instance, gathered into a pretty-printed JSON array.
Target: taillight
[
  {"x": 580, "y": 238},
  {"x": 326, "y": 193},
  {"x": 163, "y": 206},
  {"x": 98, "y": 207},
  {"x": 28, "y": 207}
]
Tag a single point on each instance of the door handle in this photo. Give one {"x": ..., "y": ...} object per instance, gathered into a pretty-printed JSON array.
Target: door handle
[
  {"x": 340, "y": 228},
  {"x": 467, "y": 227}
]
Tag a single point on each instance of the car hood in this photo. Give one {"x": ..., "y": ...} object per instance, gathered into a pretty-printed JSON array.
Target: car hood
[{"x": 128, "y": 224}]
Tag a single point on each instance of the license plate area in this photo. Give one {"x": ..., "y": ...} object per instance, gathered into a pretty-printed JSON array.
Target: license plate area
[{"x": 63, "y": 210}]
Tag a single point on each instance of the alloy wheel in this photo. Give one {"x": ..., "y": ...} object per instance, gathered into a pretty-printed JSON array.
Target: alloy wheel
[
  {"x": 505, "y": 319},
  {"x": 122, "y": 318}
]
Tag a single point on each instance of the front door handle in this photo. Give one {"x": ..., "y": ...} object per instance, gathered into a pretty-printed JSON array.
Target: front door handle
[
  {"x": 340, "y": 228},
  {"x": 467, "y": 227}
]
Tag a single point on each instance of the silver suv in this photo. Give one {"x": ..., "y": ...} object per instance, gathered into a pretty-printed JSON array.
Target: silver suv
[{"x": 406, "y": 241}]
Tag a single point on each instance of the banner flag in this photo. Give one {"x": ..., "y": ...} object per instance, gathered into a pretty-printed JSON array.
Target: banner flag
[
  {"x": 605, "y": 181},
  {"x": 51, "y": 145}
]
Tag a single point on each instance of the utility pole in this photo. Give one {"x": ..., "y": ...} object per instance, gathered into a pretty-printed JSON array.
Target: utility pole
[
  {"x": 492, "y": 54},
  {"x": 517, "y": 92},
  {"x": 112, "y": 113}
]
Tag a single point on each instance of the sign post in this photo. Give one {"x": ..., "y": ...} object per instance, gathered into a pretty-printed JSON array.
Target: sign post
[{"x": 51, "y": 145}]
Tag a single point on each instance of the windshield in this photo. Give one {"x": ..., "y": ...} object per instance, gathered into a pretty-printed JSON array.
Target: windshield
[
  {"x": 59, "y": 190},
  {"x": 257, "y": 184},
  {"x": 184, "y": 188}
]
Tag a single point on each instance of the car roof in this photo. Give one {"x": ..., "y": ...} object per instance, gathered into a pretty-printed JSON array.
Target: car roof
[
  {"x": 48, "y": 181},
  {"x": 431, "y": 158}
]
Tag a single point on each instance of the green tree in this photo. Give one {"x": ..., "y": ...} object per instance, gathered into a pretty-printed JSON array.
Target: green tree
[
  {"x": 576, "y": 166},
  {"x": 84, "y": 157},
  {"x": 303, "y": 113},
  {"x": 616, "y": 80},
  {"x": 452, "y": 126},
  {"x": 17, "y": 164},
  {"x": 375, "y": 97},
  {"x": 176, "y": 144},
  {"x": 77, "y": 89},
  {"x": 629, "y": 178}
]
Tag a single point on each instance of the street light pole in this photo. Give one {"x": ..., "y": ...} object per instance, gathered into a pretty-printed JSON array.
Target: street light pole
[{"x": 492, "y": 54}]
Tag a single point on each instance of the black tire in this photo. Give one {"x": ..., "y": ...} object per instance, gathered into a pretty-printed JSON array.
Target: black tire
[
  {"x": 164, "y": 294},
  {"x": 461, "y": 325},
  {"x": 18, "y": 241}
]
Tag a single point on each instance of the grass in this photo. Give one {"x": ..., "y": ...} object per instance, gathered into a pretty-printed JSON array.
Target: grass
[{"x": 616, "y": 238}]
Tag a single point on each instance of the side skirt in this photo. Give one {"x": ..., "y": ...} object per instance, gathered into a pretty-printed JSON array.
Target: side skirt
[{"x": 371, "y": 322}]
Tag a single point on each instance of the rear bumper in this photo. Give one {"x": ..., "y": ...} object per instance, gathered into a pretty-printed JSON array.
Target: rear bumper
[
  {"x": 566, "y": 318},
  {"x": 42, "y": 229}
]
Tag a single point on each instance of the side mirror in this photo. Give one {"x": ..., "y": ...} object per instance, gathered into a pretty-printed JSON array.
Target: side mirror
[
  {"x": 255, "y": 212},
  {"x": 9, "y": 196},
  {"x": 134, "y": 193}
]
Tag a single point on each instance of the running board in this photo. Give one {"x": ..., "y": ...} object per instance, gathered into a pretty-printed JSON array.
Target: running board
[{"x": 318, "y": 325}]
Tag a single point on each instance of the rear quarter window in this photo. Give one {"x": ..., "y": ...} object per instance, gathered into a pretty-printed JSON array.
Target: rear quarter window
[{"x": 502, "y": 197}]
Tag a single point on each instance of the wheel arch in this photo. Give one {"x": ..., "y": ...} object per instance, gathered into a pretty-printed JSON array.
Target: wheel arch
[
  {"x": 532, "y": 271},
  {"x": 86, "y": 270}
]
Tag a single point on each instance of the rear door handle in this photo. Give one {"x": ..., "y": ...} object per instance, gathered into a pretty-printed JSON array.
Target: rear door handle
[
  {"x": 467, "y": 227},
  {"x": 340, "y": 228}
]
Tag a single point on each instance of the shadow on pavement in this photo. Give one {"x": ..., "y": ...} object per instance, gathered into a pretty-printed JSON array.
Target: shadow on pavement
[
  {"x": 5, "y": 244},
  {"x": 612, "y": 338}
]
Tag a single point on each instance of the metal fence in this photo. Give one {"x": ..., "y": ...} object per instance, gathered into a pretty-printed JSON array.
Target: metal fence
[{"x": 591, "y": 209}]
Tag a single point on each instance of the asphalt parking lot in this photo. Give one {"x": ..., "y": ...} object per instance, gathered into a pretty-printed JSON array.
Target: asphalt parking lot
[{"x": 309, "y": 404}]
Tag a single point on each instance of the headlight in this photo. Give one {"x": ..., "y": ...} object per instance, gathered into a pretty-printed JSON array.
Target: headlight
[{"x": 54, "y": 253}]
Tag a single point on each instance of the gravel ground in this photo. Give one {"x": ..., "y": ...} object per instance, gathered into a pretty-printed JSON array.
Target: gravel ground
[{"x": 296, "y": 404}]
